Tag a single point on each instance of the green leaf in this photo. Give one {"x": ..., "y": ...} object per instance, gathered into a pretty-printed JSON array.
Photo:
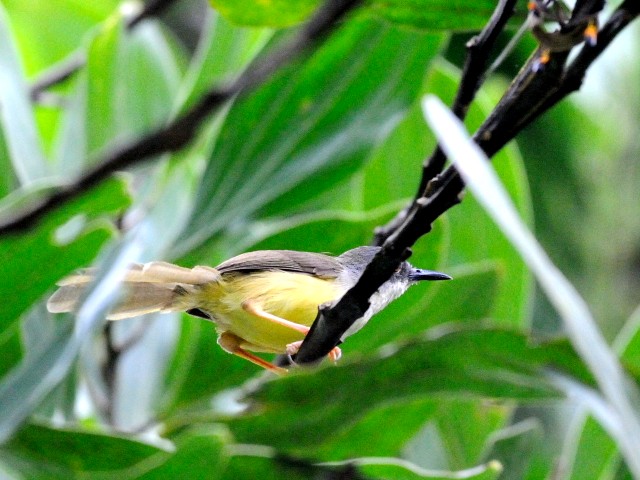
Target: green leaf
[
  {"x": 432, "y": 15},
  {"x": 31, "y": 452},
  {"x": 16, "y": 115},
  {"x": 627, "y": 343},
  {"x": 49, "y": 31},
  {"x": 43, "y": 452},
  {"x": 596, "y": 455},
  {"x": 11, "y": 348},
  {"x": 435, "y": 15},
  {"x": 27, "y": 384},
  {"x": 308, "y": 128},
  {"x": 274, "y": 13},
  {"x": 303, "y": 411},
  {"x": 31, "y": 262},
  {"x": 8, "y": 180},
  {"x": 514, "y": 447},
  {"x": 255, "y": 461},
  {"x": 354, "y": 440},
  {"x": 49, "y": 34},
  {"x": 132, "y": 78},
  {"x": 465, "y": 428},
  {"x": 223, "y": 51},
  {"x": 199, "y": 452}
]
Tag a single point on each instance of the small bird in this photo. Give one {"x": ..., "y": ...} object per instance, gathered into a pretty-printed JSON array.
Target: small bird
[{"x": 262, "y": 301}]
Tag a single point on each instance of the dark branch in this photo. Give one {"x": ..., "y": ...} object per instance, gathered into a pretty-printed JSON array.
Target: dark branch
[
  {"x": 531, "y": 94},
  {"x": 183, "y": 129},
  {"x": 473, "y": 75},
  {"x": 151, "y": 8}
]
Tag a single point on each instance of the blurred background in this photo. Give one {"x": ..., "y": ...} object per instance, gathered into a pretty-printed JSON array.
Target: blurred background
[{"x": 313, "y": 160}]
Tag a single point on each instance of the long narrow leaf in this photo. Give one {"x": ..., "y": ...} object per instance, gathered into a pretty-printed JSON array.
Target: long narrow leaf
[
  {"x": 16, "y": 114},
  {"x": 581, "y": 327}
]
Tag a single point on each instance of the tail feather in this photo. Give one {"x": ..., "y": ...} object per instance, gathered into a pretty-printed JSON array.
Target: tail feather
[{"x": 152, "y": 287}]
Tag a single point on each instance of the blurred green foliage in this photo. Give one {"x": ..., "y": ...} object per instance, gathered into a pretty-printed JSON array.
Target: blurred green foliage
[{"x": 448, "y": 378}]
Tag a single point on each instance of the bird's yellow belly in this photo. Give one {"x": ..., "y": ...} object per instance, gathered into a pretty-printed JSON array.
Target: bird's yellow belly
[{"x": 293, "y": 297}]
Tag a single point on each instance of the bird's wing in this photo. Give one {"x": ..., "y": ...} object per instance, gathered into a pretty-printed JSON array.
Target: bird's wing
[{"x": 285, "y": 260}]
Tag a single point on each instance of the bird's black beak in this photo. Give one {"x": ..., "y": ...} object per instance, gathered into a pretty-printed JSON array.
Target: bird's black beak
[{"x": 419, "y": 274}]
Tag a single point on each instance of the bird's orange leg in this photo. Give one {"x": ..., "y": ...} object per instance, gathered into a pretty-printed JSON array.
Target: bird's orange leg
[
  {"x": 292, "y": 348},
  {"x": 334, "y": 355},
  {"x": 231, "y": 343},
  {"x": 255, "y": 310}
]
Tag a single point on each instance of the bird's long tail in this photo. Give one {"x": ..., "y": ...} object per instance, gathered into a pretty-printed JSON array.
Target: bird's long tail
[{"x": 152, "y": 287}]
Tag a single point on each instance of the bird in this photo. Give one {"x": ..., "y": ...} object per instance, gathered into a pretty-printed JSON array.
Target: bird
[{"x": 260, "y": 301}]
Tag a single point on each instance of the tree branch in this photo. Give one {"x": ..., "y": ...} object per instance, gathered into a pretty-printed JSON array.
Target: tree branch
[
  {"x": 532, "y": 93},
  {"x": 473, "y": 75},
  {"x": 179, "y": 132}
]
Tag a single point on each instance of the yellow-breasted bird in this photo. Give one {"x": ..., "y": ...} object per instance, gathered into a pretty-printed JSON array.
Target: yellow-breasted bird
[{"x": 263, "y": 301}]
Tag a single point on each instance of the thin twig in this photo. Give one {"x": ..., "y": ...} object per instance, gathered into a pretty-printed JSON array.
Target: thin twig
[
  {"x": 531, "y": 94},
  {"x": 55, "y": 75},
  {"x": 179, "y": 132}
]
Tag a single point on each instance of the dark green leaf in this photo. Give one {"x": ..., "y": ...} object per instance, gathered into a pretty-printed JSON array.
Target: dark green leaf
[
  {"x": 308, "y": 128},
  {"x": 44, "y": 452},
  {"x": 355, "y": 440},
  {"x": 47, "y": 453},
  {"x": 308, "y": 410}
]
